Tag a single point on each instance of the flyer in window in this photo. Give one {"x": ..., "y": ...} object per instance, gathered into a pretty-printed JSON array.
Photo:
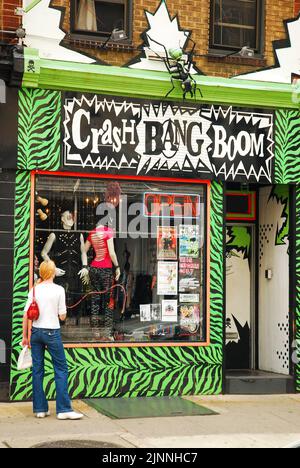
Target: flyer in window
[
  {"x": 169, "y": 311},
  {"x": 189, "y": 275},
  {"x": 145, "y": 313},
  {"x": 189, "y": 241},
  {"x": 150, "y": 312},
  {"x": 189, "y": 315},
  {"x": 190, "y": 298},
  {"x": 167, "y": 278},
  {"x": 155, "y": 312},
  {"x": 167, "y": 243}
]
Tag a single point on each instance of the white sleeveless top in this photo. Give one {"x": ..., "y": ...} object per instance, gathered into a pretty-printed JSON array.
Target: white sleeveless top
[{"x": 51, "y": 300}]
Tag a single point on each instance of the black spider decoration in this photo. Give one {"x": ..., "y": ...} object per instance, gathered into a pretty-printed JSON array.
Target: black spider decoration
[{"x": 180, "y": 69}]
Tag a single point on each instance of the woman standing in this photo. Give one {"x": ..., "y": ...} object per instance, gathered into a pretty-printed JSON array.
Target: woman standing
[{"x": 45, "y": 334}]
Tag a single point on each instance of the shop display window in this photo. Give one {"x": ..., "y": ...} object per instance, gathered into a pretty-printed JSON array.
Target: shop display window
[{"x": 154, "y": 232}]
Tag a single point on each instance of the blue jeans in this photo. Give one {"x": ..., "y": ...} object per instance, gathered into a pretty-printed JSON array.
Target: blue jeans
[{"x": 42, "y": 339}]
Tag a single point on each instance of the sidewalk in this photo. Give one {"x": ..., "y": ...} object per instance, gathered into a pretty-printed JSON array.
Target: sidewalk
[{"x": 243, "y": 422}]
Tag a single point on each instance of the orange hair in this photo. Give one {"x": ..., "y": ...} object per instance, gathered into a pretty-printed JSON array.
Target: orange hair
[{"x": 47, "y": 270}]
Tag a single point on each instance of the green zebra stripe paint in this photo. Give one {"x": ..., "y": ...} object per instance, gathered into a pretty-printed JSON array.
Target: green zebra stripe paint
[
  {"x": 287, "y": 147},
  {"x": 107, "y": 372},
  {"x": 39, "y": 129}
]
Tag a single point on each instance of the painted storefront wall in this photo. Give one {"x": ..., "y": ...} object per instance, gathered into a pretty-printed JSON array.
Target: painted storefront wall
[
  {"x": 121, "y": 371},
  {"x": 110, "y": 371}
]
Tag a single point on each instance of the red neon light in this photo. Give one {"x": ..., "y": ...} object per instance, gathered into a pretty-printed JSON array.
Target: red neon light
[{"x": 175, "y": 205}]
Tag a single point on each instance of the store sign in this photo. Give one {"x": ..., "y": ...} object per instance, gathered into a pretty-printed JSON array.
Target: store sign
[
  {"x": 135, "y": 137},
  {"x": 160, "y": 205}
]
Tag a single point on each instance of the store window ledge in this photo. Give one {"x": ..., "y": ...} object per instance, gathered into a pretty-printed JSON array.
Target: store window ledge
[
  {"x": 217, "y": 57},
  {"x": 88, "y": 42}
]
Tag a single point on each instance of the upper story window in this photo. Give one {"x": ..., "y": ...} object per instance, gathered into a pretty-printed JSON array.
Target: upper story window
[
  {"x": 97, "y": 17},
  {"x": 235, "y": 24}
]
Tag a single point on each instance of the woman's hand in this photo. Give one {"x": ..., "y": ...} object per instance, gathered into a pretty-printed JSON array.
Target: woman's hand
[
  {"x": 25, "y": 342},
  {"x": 118, "y": 274}
]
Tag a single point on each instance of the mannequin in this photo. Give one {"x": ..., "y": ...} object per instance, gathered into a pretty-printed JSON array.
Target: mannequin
[
  {"x": 101, "y": 276},
  {"x": 100, "y": 273},
  {"x": 66, "y": 249}
]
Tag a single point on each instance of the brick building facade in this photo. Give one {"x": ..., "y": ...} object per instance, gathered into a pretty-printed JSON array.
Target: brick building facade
[{"x": 194, "y": 16}]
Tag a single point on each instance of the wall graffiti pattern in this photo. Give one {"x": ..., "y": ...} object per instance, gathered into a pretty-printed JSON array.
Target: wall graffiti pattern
[{"x": 287, "y": 147}]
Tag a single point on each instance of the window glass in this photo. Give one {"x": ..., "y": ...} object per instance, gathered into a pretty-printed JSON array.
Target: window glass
[
  {"x": 101, "y": 17},
  {"x": 235, "y": 23},
  {"x": 154, "y": 232}
]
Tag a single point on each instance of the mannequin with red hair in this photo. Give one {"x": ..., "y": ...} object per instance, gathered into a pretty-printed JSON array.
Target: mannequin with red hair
[{"x": 100, "y": 272}]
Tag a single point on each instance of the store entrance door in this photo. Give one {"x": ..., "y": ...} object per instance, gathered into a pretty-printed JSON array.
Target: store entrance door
[{"x": 240, "y": 310}]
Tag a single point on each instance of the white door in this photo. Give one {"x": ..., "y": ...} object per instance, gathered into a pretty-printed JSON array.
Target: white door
[{"x": 274, "y": 333}]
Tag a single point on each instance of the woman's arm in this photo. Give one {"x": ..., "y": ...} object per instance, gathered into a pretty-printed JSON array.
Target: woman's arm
[
  {"x": 113, "y": 256},
  {"x": 25, "y": 340},
  {"x": 62, "y": 306}
]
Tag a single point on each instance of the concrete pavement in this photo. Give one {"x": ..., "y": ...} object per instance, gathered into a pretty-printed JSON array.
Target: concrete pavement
[{"x": 242, "y": 422}]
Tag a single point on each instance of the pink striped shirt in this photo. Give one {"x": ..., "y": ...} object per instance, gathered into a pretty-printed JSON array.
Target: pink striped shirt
[{"x": 98, "y": 238}]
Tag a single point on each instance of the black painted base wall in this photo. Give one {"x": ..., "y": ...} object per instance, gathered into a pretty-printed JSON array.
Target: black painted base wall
[{"x": 7, "y": 210}]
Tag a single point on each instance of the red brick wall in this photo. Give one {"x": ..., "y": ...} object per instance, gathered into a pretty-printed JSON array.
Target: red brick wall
[
  {"x": 194, "y": 15},
  {"x": 8, "y": 20}
]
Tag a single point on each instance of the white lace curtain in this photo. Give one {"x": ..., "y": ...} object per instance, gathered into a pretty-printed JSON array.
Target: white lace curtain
[{"x": 86, "y": 16}]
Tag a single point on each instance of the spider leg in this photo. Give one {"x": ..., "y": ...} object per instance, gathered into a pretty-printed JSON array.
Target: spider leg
[
  {"x": 166, "y": 60},
  {"x": 195, "y": 85},
  {"x": 168, "y": 67},
  {"x": 190, "y": 55},
  {"x": 171, "y": 90}
]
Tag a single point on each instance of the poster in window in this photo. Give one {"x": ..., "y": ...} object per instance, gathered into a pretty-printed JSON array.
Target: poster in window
[
  {"x": 150, "y": 312},
  {"x": 169, "y": 311},
  {"x": 155, "y": 312},
  {"x": 189, "y": 241},
  {"x": 189, "y": 315},
  {"x": 145, "y": 313},
  {"x": 189, "y": 275},
  {"x": 167, "y": 279},
  {"x": 166, "y": 243}
]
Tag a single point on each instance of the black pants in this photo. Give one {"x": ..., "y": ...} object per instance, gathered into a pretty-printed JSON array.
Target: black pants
[{"x": 102, "y": 279}]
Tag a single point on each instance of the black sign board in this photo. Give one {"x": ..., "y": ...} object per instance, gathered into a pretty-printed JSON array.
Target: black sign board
[{"x": 115, "y": 135}]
